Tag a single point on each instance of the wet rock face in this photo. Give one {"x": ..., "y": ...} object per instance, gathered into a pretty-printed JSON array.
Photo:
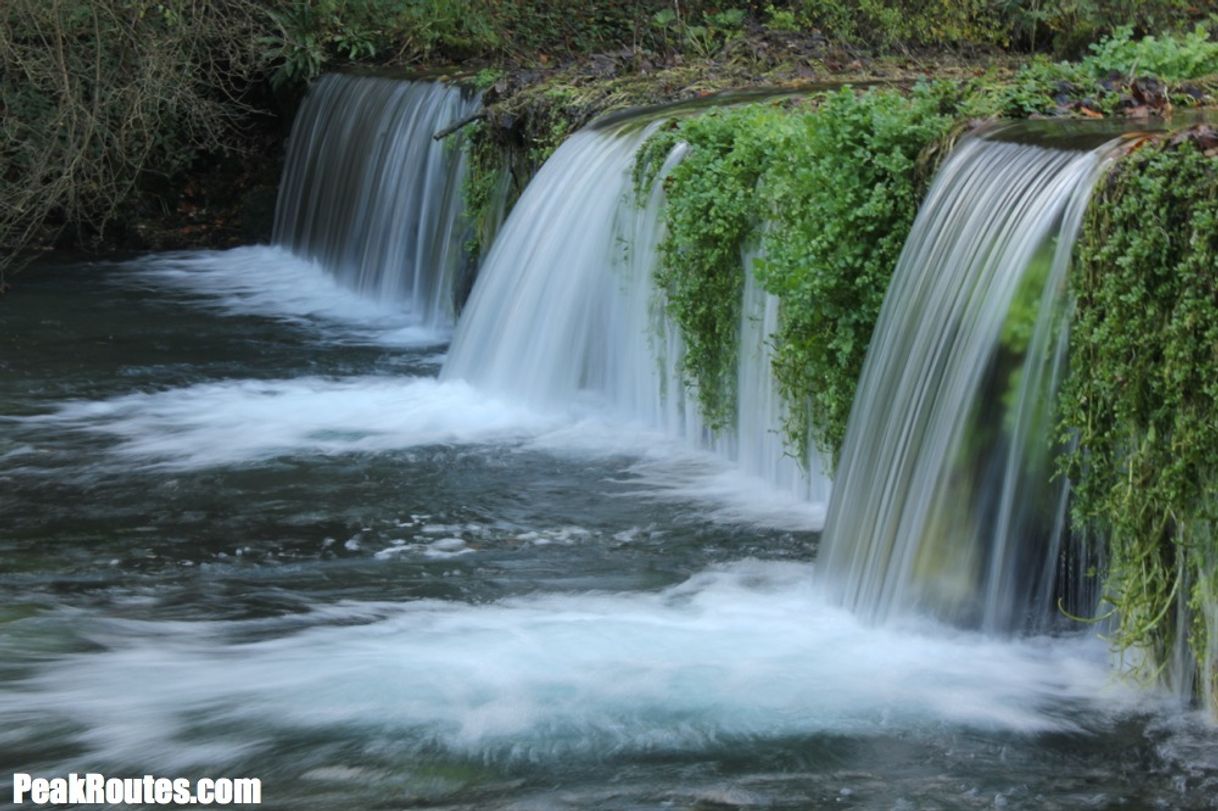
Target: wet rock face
[{"x": 1147, "y": 96}]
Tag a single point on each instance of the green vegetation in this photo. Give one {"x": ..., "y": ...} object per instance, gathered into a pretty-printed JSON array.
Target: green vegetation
[
  {"x": 490, "y": 188},
  {"x": 312, "y": 35},
  {"x": 1178, "y": 58},
  {"x": 829, "y": 193},
  {"x": 889, "y": 23},
  {"x": 309, "y": 36},
  {"x": 845, "y": 193},
  {"x": 1142, "y": 397},
  {"x": 712, "y": 208},
  {"x": 1063, "y": 26},
  {"x": 1184, "y": 68},
  {"x": 704, "y": 38},
  {"x": 1069, "y": 26}
]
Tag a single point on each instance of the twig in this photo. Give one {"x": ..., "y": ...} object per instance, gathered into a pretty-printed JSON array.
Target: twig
[{"x": 464, "y": 122}]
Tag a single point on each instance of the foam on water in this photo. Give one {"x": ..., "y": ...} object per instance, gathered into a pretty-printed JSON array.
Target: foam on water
[
  {"x": 745, "y": 651},
  {"x": 260, "y": 280},
  {"x": 725, "y": 493},
  {"x": 239, "y": 422}
]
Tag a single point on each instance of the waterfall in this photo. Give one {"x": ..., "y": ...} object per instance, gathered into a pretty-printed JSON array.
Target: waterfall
[
  {"x": 760, "y": 408},
  {"x": 371, "y": 196},
  {"x": 565, "y": 310},
  {"x": 945, "y": 500}
]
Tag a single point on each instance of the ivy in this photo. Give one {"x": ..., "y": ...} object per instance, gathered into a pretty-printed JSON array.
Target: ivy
[
  {"x": 844, "y": 193},
  {"x": 830, "y": 193},
  {"x": 712, "y": 209},
  {"x": 1141, "y": 397}
]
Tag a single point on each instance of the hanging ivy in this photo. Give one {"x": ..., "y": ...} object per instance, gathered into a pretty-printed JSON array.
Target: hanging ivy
[{"x": 1142, "y": 397}]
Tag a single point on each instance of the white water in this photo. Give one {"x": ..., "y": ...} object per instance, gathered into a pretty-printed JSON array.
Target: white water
[
  {"x": 565, "y": 310},
  {"x": 233, "y": 422},
  {"x": 230, "y": 423},
  {"x": 945, "y": 501},
  {"x": 760, "y": 410},
  {"x": 749, "y": 649},
  {"x": 368, "y": 193},
  {"x": 266, "y": 281},
  {"x": 565, "y": 338}
]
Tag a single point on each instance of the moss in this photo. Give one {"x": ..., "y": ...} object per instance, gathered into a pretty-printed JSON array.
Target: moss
[
  {"x": 1142, "y": 394},
  {"x": 486, "y": 188}
]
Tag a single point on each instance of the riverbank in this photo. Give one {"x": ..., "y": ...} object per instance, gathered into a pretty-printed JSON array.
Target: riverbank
[{"x": 198, "y": 168}]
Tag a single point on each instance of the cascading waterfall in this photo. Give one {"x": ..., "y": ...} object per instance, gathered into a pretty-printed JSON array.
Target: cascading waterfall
[
  {"x": 945, "y": 500},
  {"x": 760, "y": 407},
  {"x": 565, "y": 309},
  {"x": 370, "y": 195}
]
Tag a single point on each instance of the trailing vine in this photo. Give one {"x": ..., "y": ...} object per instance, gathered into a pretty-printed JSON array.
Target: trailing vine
[
  {"x": 1142, "y": 398},
  {"x": 840, "y": 183},
  {"x": 845, "y": 189},
  {"x": 488, "y": 183},
  {"x": 712, "y": 209}
]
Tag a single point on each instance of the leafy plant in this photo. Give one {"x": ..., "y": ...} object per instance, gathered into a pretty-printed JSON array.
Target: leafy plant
[
  {"x": 1042, "y": 85},
  {"x": 1170, "y": 58},
  {"x": 313, "y": 33},
  {"x": 893, "y": 23},
  {"x": 844, "y": 191},
  {"x": 830, "y": 195},
  {"x": 781, "y": 19},
  {"x": 1099, "y": 81},
  {"x": 1140, "y": 402},
  {"x": 712, "y": 208},
  {"x": 703, "y": 39},
  {"x": 1069, "y": 26},
  {"x": 487, "y": 77}
]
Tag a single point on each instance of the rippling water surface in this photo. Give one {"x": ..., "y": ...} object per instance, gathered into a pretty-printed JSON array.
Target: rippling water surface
[{"x": 246, "y": 531}]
